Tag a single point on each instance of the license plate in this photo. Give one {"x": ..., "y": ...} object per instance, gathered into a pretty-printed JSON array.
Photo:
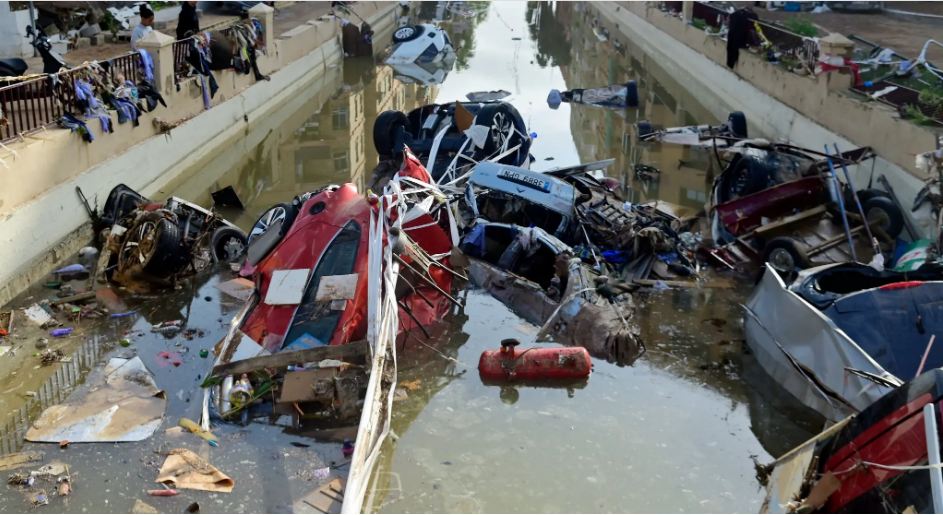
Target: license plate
[{"x": 526, "y": 180}]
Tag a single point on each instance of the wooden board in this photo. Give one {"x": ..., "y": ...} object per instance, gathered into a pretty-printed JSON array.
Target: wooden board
[
  {"x": 350, "y": 352},
  {"x": 326, "y": 499}
]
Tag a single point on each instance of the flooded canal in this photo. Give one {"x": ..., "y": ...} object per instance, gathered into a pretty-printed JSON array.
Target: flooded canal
[{"x": 678, "y": 430}]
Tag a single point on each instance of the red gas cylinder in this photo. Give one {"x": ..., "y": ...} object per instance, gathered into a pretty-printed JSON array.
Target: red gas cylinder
[{"x": 534, "y": 364}]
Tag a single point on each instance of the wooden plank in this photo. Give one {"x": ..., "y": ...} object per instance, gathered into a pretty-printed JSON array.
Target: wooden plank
[
  {"x": 346, "y": 352},
  {"x": 789, "y": 220}
]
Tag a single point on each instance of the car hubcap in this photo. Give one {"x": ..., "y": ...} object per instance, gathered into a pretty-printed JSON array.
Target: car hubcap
[
  {"x": 233, "y": 249},
  {"x": 404, "y": 33},
  {"x": 782, "y": 260}
]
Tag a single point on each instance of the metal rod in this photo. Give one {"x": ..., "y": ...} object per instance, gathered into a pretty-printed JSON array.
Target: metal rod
[
  {"x": 841, "y": 206},
  {"x": 933, "y": 456},
  {"x": 430, "y": 282},
  {"x": 854, "y": 195},
  {"x": 923, "y": 360},
  {"x": 405, "y": 308}
]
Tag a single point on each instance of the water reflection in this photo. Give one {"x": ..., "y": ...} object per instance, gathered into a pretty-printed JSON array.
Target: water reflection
[{"x": 675, "y": 431}]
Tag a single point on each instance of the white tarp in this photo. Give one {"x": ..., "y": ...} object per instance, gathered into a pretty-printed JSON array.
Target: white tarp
[{"x": 120, "y": 404}]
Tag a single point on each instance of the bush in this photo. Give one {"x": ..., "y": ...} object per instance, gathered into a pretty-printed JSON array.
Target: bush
[{"x": 802, "y": 26}]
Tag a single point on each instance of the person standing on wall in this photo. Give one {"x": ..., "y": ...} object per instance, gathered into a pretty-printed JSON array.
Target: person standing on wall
[
  {"x": 187, "y": 24},
  {"x": 143, "y": 28}
]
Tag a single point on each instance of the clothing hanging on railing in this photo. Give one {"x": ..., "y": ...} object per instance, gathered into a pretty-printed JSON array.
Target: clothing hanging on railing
[
  {"x": 738, "y": 36},
  {"x": 245, "y": 38},
  {"x": 86, "y": 101},
  {"x": 200, "y": 59},
  {"x": 71, "y": 122},
  {"x": 147, "y": 64}
]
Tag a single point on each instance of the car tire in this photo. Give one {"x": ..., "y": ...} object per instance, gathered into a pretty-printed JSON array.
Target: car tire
[
  {"x": 228, "y": 244},
  {"x": 384, "y": 131},
  {"x": 785, "y": 256},
  {"x": 165, "y": 255},
  {"x": 631, "y": 94},
  {"x": 868, "y": 194},
  {"x": 644, "y": 129},
  {"x": 499, "y": 117},
  {"x": 407, "y": 33},
  {"x": 880, "y": 207},
  {"x": 737, "y": 122}
]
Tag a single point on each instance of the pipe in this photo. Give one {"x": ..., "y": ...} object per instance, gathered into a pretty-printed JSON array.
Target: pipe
[
  {"x": 841, "y": 206},
  {"x": 933, "y": 456},
  {"x": 854, "y": 195}
]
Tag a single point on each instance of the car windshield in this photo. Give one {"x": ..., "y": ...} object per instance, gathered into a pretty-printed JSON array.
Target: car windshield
[{"x": 315, "y": 321}]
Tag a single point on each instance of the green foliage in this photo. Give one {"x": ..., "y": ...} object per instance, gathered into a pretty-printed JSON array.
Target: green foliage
[
  {"x": 699, "y": 24},
  {"x": 914, "y": 114},
  {"x": 802, "y": 26},
  {"x": 932, "y": 98}
]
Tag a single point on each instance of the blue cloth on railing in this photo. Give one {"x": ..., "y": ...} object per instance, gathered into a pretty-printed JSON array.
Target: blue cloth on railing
[
  {"x": 85, "y": 99},
  {"x": 75, "y": 125},
  {"x": 127, "y": 110},
  {"x": 148, "y": 64},
  {"x": 201, "y": 45}
]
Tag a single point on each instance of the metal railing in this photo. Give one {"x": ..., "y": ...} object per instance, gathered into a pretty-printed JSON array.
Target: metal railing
[
  {"x": 712, "y": 16},
  {"x": 900, "y": 98},
  {"x": 32, "y": 104}
]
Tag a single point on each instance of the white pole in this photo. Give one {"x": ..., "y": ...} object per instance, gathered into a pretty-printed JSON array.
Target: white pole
[{"x": 933, "y": 456}]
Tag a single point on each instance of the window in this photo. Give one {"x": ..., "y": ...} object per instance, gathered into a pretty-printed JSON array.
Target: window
[
  {"x": 340, "y": 118},
  {"x": 341, "y": 161}
]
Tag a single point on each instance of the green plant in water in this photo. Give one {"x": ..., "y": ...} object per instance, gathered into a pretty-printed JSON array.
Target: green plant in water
[{"x": 802, "y": 26}]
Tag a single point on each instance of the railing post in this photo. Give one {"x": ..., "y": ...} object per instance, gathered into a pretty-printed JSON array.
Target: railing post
[
  {"x": 161, "y": 49},
  {"x": 687, "y": 11},
  {"x": 266, "y": 15}
]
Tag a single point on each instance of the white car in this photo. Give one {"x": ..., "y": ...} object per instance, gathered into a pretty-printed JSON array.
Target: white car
[{"x": 422, "y": 44}]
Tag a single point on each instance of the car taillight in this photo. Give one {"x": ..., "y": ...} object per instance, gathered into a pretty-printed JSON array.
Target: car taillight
[{"x": 901, "y": 285}]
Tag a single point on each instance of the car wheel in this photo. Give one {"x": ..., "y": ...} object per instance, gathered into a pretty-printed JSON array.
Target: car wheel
[
  {"x": 737, "y": 123},
  {"x": 152, "y": 246},
  {"x": 407, "y": 33},
  {"x": 884, "y": 213},
  {"x": 505, "y": 130},
  {"x": 385, "y": 129},
  {"x": 785, "y": 256},
  {"x": 229, "y": 244}
]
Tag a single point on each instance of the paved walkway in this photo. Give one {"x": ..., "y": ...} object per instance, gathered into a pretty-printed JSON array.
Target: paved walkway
[{"x": 905, "y": 34}]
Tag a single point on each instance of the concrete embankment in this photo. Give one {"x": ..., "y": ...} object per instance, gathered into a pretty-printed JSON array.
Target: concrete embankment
[
  {"x": 806, "y": 111},
  {"x": 42, "y": 220}
]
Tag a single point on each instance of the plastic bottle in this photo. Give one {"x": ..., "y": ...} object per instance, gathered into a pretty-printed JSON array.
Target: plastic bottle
[{"x": 61, "y": 332}]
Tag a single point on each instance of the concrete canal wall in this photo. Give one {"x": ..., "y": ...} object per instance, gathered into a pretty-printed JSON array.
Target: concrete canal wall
[
  {"x": 42, "y": 220},
  {"x": 807, "y": 111}
]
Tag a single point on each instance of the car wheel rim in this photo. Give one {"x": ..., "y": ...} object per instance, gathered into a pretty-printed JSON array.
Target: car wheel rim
[
  {"x": 500, "y": 127},
  {"x": 782, "y": 260},
  {"x": 232, "y": 249},
  {"x": 139, "y": 245},
  {"x": 404, "y": 32},
  {"x": 272, "y": 216}
]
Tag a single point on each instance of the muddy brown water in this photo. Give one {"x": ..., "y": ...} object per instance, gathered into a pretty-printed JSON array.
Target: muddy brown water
[{"x": 678, "y": 430}]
